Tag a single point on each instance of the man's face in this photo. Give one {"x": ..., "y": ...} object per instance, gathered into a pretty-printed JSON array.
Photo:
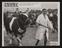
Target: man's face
[
  {"x": 44, "y": 11},
  {"x": 17, "y": 10},
  {"x": 55, "y": 13},
  {"x": 49, "y": 11}
]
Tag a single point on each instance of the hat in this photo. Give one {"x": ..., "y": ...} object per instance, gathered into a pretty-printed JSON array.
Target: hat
[{"x": 43, "y": 9}]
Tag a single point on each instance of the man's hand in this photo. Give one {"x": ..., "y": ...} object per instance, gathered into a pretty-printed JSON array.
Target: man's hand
[{"x": 53, "y": 30}]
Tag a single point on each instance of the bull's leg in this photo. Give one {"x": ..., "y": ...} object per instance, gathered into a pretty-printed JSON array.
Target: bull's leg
[
  {"x": 19, "y": 38},
  {"x": 11, "y": 37},
  {"x": 19, "y": 41},
  {"x": 22, "y": 34}
]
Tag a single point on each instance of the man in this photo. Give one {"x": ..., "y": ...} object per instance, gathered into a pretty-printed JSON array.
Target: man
[
  {"x": 53, "y": 18},
  {"x": 49, "y": 11},
  {"x": 42, "y": 23},
  {"x": 17, "y": 11}
]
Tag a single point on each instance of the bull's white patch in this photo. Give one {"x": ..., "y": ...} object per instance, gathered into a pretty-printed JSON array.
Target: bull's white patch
[
  {"x": 10, "y": 24},
  {"x": 20, "y": 30},
  {"x": 26, "y": 15}
]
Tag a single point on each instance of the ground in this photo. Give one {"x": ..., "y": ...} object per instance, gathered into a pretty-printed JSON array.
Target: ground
[{"x": 29, "y": 38}]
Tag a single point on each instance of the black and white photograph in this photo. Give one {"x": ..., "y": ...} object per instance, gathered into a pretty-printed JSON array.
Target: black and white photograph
[{"x": 30, "y": 23}]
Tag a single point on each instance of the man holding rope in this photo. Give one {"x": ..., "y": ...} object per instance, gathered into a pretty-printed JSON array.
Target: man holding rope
[{"x": 44, "y": 25}]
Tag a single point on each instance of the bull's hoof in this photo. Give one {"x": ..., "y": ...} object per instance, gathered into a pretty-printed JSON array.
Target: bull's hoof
[{"x": 20, "y": 44}]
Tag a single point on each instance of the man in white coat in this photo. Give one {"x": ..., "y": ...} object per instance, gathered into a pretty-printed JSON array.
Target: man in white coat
[{"x": 44, "y": 21}]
